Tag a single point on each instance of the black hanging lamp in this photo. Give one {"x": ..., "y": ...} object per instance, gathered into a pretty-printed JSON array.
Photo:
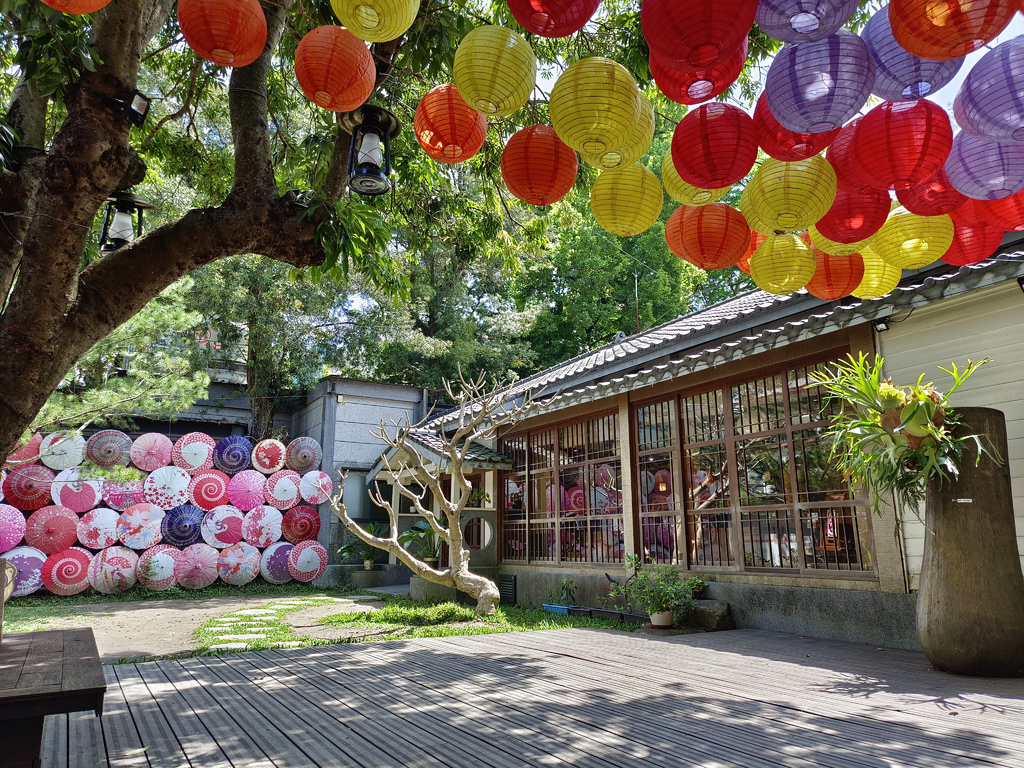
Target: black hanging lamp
[
  {"x": 369, "y": 154},
  {"x": 119, "y": 226}
]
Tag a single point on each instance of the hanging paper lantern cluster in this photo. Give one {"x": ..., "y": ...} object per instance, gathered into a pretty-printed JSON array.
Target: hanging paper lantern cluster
[
  {"x": 968, "y": 214},
  {"x": 840, "y": 157},
  {"x": 854, "y": 216},
  {"x": 879, "y": 278},
  {"x": 694, "y": 35},
  {"x": 636, "y": 145},
  {"x": 783, "y": 144},
  {"x": 782, "y": 264},
  {"x": 77, "y": 7},
  {"x": 972, "y": 244},
  {"x": 537, "y": 166},
  {"x": 595, "y": 105},
  {"x": 713, "y": 236},
  {"x": 553, "y": 18},
  {"x": 789, "y": 196},
  {"x": 901, "y": 144},
  {"x": 756, "y": 238},
  {"x": 714, "y": 146},
  {"x": 231, "y": 33},
  {"x": 835, "y": 276},
  {"x": 990, "y": 103},
  {"x": 985, "y": 170},
  {"x": 803, "y": 21},
  {"x": 334, "y": 68},
  {"x": 687, "y": 194},
  {"x": 494, "y": 70},
  {"x": 833, "y": 247},
  {"x": 376, "y": 21},
  {"x": 947, "y": 29},
  {"x": 909, "y": 241},
  {"x": 626, "y": 201},
  {"x": 933, "y": 197},
  {"x": 447, "y": 128},
  {"x": 1006, "y": 214},
  {"x": 694, "y": 86}
]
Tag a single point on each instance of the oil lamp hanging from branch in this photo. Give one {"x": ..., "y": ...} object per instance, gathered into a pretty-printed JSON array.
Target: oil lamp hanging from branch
[
  {"x": 119, "y": 228},
  {"x": 369, "y": 155}
]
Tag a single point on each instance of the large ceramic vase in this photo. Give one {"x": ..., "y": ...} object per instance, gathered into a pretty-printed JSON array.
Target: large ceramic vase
[{"x": 970, "y": 608}]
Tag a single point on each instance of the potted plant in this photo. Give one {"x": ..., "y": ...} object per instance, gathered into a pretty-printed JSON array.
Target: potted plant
[
  {"x": 479, "y": 498},
  {"x": 426, "y": 542},
  {"x": 564, "y": 599},
  {"x": 696, "y": 585},
  {"x": 358, "y": 548},
  {"x": 657, "y": 589}
]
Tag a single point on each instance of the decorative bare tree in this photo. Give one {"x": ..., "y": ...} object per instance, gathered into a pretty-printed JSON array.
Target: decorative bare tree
[{"x": 482, "y": 411}]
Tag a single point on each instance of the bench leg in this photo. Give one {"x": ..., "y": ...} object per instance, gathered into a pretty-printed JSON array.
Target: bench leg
[{"x": 21, "y": 743}]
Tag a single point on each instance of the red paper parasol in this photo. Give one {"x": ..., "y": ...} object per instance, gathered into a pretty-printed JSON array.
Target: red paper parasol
[
  {"x": 307, "y": 561},
  {"x": 62, "y": 451},
  {"x": 239, "y": 564},
  {"x": 12, "y": 527},
  {"x": 120, "y": 496},
  {"x": 300, "y": 524},
  {"x": 139, "y": 526},
  {"x": 113, "y": 570},
  {"x": 316, "y": 487},
  {"x": 268, "y": 456},
  {"x": 151, "y": 451},
  {"x": 262, "y": 526},
  {"x": 29, "y": 562},
  {"x": 167, "y": 487},
  {"x": 67, "y": 573},
  {"x": 245, "y": 490},
  {"x": 26, "y": 453},
  {"x": 97, "y": 529},
  {"x": 28, "y": 487},
  {"x": 51, "y": 529},
  {"x": 194, "y": 452},
  {"x": 109, "y": 448},
  {"x": 303, "y": 454},
  {"x": 282, "y": 490},
  {"x": 209, "y": 489},
  {"x": 70, "y": 490},
  {"x": 156, "y": 567},
  {"x": 222, "y": 527},
  {"x": 196, "y": 567},
  {"x": 576, "y": 499},
  {"x": 274, "y": 563}
]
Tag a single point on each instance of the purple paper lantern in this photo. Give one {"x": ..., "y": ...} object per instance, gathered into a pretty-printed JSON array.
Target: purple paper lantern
[
  {"x": 816, "y": 87},
  {"x": 990, "y": 103},
  {"x": 803, "y": 21},
  {"x": 985, "y": 170},
  {"x": 899, "y": 74}
]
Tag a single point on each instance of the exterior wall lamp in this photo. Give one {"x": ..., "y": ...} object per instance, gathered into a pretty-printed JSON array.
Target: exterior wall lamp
[{"x": 881, "y": 324}]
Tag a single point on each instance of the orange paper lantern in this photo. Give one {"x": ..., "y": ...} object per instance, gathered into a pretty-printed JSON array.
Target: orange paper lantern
[
  {"x": 231, "y": 33},
  {"x": 713, "y": 236},
  {"x": 538, "y": 167},
  {"x": 756, "y": 238},
  {"x": 334, "y": 68},
  {"x": 447, "y": 128},
  {"x": 77, "y": 7},
  {"x": 947, "y": 29},
  {"x": 835, "y": 276}
]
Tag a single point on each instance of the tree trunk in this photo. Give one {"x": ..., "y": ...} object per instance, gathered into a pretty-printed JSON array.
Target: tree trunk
[
  {"x": 970, "y": 608},
  {"x": 483, "y": 589}
]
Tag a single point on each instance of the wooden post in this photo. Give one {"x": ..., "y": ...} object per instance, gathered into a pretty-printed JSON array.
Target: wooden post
[{"x": 8, "y": 571}]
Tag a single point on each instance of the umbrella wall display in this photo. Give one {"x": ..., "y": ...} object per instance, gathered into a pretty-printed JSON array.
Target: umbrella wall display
[
  {"x": 182, "y": 526},
  {"x": 282, "y": 489},
  {"x": 51, "y": 529},
  {"x": 268, "y": 456},
  {"x": 67, "y": 573},
  {"x": 196, "y": 567},
  {"x": 120, "y": 496},
  {"x": 245, "y": 490},
  {"x": 274, "y": 563},
  {"x": 29, "y": 562},
  {"x": 167, "y": 487},
  {"x": 232, "y": 454},
  {"x": 303, "y": 454},
  {"x": 239, "y": 564},
  {"x": 109, "y": 448},
  {"x": 25, "y": 453},
  {"x": 70, "y": 490},
  {"x": 3, "y": 476},
  {"x": 222, "y": 527},
  {"x": 193, "y": 452},
  {"x": 300, "y": 524},
  {"x": 97, "y": 528},
  {"x": 307, "y": 561},
  {"x": 151, "y": 451},
  {"x": 209, "y": 489},
  {"x": 156, "y": 567},
  {"x": 316, "y": 487},
  {"x": 262, "y": 526},
  {"x": 62, "y": 451},
  {"x": 139, "y": 526},
  {"x": 28, "y": 487},
  {"x": 112, "y": 570},
  {"x": 12, "y": 527}
]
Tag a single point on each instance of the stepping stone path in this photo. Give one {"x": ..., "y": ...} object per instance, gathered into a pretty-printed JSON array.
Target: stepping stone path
[
  {"x": 242, "y": 637},
  {"x": 229, "y": 647}
]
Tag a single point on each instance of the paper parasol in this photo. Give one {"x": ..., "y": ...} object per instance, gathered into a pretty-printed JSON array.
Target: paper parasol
[
  {"x": 67, "y": 573},
  {"x": 262, "y": 526},
  {"x": 239, "y": 564},
  {"x": 316, "y": 487},
  {"x": 109, "y": 448},
  {"x": 196, "y": 567},
  {"x": 268, "y": 456},
  {"x": 300, "y": 524},
  {"x": 28, "y": 487},
  {"x": 222, "y": 527},
  {"x": 274, "y": 563},
  {"x": 120, "y": 496},
  {"x": 51, "y": 529},
  {"x": 232, "y": 454},
  {"x": 97, "y": 528},
  {"x": 112, "y": 570},
  {"x": 245, "y": 490},
  {"x": 181, "y": 527},
  {"x": 151, "y": 451},
  {"x": 25, "y": 453},
  {"x": 156, "y": 567},
  {"x": 139, "y": 526},
  {"x": 62, "y": 451},
  {"x": 576, "y": 499},
  {"x": 12, "y": 527},
  {"x": 307, "y": 561},
  {"x": 69, "y": 490},
  {"x": 3, "y": 476},
  {"x": 167, "y": 487},
  {"x": 282, "y": 490},
  {"x": 303, "y": 454},
  {"x": 209, "y": 489},
  {"x": 193, "y": 452},
  {"x": 29, "y": 562}
]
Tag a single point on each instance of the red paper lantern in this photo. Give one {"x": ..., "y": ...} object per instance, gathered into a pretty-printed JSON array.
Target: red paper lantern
[
  {"x": 901, "y": 144},
  {"x": 933, "y": 197},
  {"x": 713, "y": 236},
  {"x": 553, "y": 18},
  {"x": 77, "y": 7},
  {"x": 695, "y": 34},
  {"x": 1006, "y": 214},
  {"x": 537, "y": 166},
  {"x": 687, "y": 87},
  {"x": 972, "y": 244},
  {"x": 447, "y": 128},
  {"x": 231, "y": 33},
  {"x": 334, "y": 68},
  {"x": 835, "y": 276},
  {"x": 783, "y": 144},
  {"x": 854, "y": 216},
  {"x": 840, "y": 154},
  {"x": 714, "y": 146},
  {"x": 968, "y": 215},
  {"x": 946, "y": 29},
  {"x": 756, "y": 238}
]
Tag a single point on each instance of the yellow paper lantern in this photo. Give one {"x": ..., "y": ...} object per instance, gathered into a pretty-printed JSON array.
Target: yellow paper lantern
[
  {"x": 782, "y": 264},
  {"x": 753, "y": 218},
  {"x": 376, "y": 21},
  {"x": 637, "y": 146},
  {"x": 687, "y": 194},
  {"x": 879, "y": 278},
  {"x": 595, "y": 105},
  {"x": 831, "y": 247},
  {"x": 909, "y": 241},
  {"x": 495, "y": 70},
  {"x": 789, "y": 197},
  {"x": 627, "y": 201}
]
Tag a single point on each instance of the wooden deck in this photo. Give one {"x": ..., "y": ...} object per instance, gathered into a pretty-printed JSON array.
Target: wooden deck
[{"x": 567, "y": 697}]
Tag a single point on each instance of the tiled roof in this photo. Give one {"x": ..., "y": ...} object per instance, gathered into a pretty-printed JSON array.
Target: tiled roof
[{"x": 478, "y": 456}]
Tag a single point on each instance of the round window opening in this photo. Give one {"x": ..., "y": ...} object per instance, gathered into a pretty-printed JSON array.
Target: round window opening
[{"x": 477, "y": 533}]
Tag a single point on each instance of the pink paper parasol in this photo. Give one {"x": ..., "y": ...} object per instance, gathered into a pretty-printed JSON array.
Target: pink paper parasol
[
  {"x": 151, "y": 451},
  {"x": 28, "y": 487},
  {"x": 3, "y": 476},
  {"x": 303, "y": 454},
  {"x": 196, "y": 567},
  {"x": 120, "y": 496},
  {"x": 209, "y": 489},
  {"x": 245, "y": 490},
  {"x": 307, "y": 561},
  {"x": 139, "y": 526},
  {"x": 12, "y": 527},
  {"x": 67, "y": 573},
  {"x": 97, "y": 528},
  {"x": 157, "y": 566},
  {"x": 69, "y": 490},
  {"x": 576, "y": 499},
  {"x": 109, "y": 448},
  {"x": 239, "y": 564},
  {"x": 193, "y": 452},
  {"x": 51, "y": 529},
  {"x": 223, "y": 527},
  {"x": 316, "y": 487},
  {"x": 62, "y": 451},
  {"x": 300, "y": 524},
  {"x": 113, "y": 570},
  {"x": 274, "y": 563},
  {"x": 262, "y": 526},
  {"x": 29, "y": 562},
  {"x": 25, "y": 453},
  {"x": 268, "y": 456},
  {"x": 167, "y": 487},
  {"x": 282, "y": 489}
]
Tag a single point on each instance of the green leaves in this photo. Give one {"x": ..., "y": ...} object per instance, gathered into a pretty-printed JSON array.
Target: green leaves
[{"x": 53, "y": 49}]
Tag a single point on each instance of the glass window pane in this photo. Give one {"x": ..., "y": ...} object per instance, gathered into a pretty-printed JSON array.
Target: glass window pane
[
  {"x": 818, "y": 474},
  {"x": 807, "y": 403},
  {"x": 709, "y": 535},
  {"x": 759, "y": 405},
  {"x": 606, "y": 489},
  {"x": 606, "y": 537},
  {"x": 572, "y": 444},
  {"x": 837, "y": 538},
  {"x": 656, "y": 426},
  {"x": 763, "y": 469},
  {"x": 573, "y": 496},
  {"x": 604, "y": 437},
  {"x": 707, "y": 476},
  {"x": 657, "y": 483},
  {"x": 769, "y": 539},
  {"x": 703, "y": 417},
  {"x": 542, "y": 450}
]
